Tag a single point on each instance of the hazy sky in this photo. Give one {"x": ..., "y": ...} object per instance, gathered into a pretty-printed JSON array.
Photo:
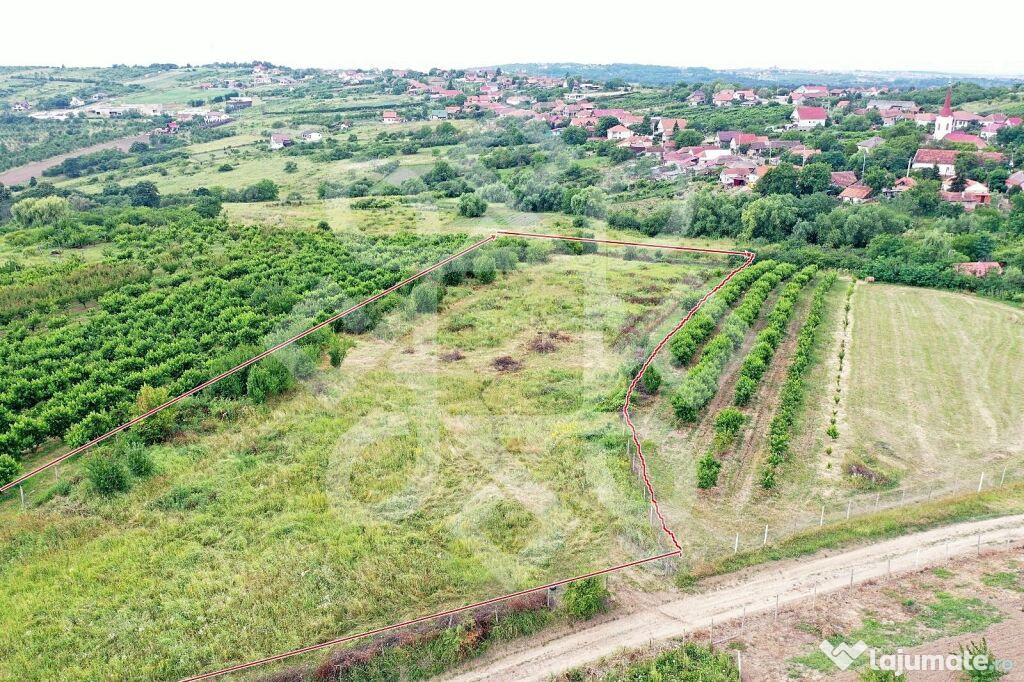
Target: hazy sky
[{"x": 871, "y": 34}]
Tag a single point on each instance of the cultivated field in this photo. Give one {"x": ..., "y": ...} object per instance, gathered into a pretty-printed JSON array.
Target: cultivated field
[
  {"x": 451, "y": 457},
  {"x": 933, "y": 383}
]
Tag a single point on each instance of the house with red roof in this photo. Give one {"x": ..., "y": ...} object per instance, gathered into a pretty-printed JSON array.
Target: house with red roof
[
  {"x": 944, "y": 160},
  {"x": 960, "y": 137},
  {"x": 843, "y": 179},
  {"x": 619, "y": 132},
  {"x": 974, "y": 194},
  {"x": 697, "y": 97},
  {"x": 1015, "y": 180},
  {"x": 667, "y": 126},
  {"x": 806, "y": 118},
  {"x": 390, "y": 118},
  {"x": 855, "y": 194},
  {"x": 723, "y": 98}
]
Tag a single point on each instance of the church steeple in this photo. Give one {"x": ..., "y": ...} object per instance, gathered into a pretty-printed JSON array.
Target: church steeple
[{"x": 944, "y": 121}]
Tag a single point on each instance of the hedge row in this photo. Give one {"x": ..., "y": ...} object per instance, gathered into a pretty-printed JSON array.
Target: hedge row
[
  {"x": 701, "y": 383},
  {"x": 696, "y": 331},
  {"x": 794, "y": 389},
  {"x": 769, "y": 338}
]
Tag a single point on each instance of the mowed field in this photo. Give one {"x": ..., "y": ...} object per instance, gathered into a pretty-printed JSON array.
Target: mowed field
[
  {"x": 935, "y": 381},
  {"x": 451, "y": 457}
]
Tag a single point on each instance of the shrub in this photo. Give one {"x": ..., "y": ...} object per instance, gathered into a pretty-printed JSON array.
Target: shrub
[
  {"x": 707, "y": 471},
  {"x": 745, "y": 389},
  {"x": 427, "y": 296},
  {"x": 484, "y": 269},
  {"x": 268, "y": 377},
  {"x": 538, "y": 252},
  {"x": 651, "y": 380},
  {"x": 585, "y": 598},
  {"x": 138, "y": 460},
  {"x": 107, "y": 475},
  {"x": 9, "y": 469},
  {"x": 156, "y": 427},
  {"x": 472, "y": 206},
  {"x": 729, "y": 421}
]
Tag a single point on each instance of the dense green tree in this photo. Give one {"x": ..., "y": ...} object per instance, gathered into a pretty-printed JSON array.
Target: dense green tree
[
  {"x": 781, "y": 179},
  {"x": 472, "y": 205},
  {"x": 814, "y": 177}
]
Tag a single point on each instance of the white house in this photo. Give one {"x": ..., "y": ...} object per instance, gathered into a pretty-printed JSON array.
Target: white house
[
  {"x": 278, "y": 141},
  {"x": 619, "y": 132},
  {"x": 390, "y": 118},
  {"x": 312, "y": 136},
  {"x": 806, "y": 118}
]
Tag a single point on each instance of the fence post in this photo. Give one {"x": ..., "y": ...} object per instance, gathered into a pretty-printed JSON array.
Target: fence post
[
  {"x": 736, "y": 544},
  {"x": 21, "y": 490},
  {"x": 1003, "y": 477},
  {"x": 821, "y": 521},
  {"x": 849, "y": 506},
  {"x": 765, "y": 536},
  {"x": 878, "y": 499},
  {"x": 981, "y": 481}
]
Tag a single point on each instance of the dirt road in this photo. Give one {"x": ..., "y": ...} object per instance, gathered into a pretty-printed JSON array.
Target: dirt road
[
  {"x": 22, "y": 174},
  {"x": 754, "y": 590}
]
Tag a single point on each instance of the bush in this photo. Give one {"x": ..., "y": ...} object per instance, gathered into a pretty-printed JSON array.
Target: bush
[
  {"x": 484, "y": 269},
  {"x": 138, "y": 460},
  {"x": 9, "y": 469},
  {"x": 651, "y": 380},
  {"x": 729, "y": 421},
  {"x": 585, "y": 598},
  {"x": 538, "y": 252},
  {"x": 107, "y": 475},
  {"x": 427, "y": 296},
  {"x": 156, "y": 427},
  {"x": 268, "y": 377},
  {"x": 707, "y": 471},
  {"x": 472, "y": 206}
]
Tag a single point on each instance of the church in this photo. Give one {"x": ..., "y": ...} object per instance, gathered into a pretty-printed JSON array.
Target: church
[{"x": 944, "y": 121}]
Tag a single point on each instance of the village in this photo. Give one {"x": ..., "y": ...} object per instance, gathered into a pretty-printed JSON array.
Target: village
[{"x": 737, "y": 159}]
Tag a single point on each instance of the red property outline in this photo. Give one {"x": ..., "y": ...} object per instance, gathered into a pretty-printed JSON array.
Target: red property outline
[{"x": 748, "y": 257}]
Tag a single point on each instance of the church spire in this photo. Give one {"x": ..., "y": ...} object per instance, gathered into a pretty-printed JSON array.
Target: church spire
[{"x": 947, "y": 106}]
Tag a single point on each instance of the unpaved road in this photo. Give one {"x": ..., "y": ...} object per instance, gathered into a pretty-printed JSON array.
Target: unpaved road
[
  {"x": 22, "y": 174},
  {"x": 725, "y": 598}
]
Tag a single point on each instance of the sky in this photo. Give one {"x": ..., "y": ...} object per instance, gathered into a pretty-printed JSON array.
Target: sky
[{"x": 868, "y": 35}]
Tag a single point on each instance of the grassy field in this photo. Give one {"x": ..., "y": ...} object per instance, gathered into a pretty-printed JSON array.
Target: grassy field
[
  {"x": 932, "y": 383},
  {"x": 423, "y": 473}
]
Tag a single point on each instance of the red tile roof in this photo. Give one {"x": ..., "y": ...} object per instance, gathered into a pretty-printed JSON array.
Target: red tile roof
[{"x": 811, "y": 113}]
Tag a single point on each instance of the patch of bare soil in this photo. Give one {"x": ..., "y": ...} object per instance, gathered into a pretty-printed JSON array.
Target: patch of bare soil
[
  {"x": 547, "y": 342},
  {"x": 452, "y": 356},
  {"x": 506, "y": 363},
  {"x": 768, "y": 643}
]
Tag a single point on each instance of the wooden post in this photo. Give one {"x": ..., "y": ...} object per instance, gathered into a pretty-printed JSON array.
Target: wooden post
[
  {"x": 22, "y": 491},
  {"x": 821, "y": 521},
  {"x": 981, "y": 481},
  {"x": 736, "y": 544},
  {"x": 849, "y": 505},
  {"x": 1003, "y": 477},
  {"x": 765, "y": 536}
]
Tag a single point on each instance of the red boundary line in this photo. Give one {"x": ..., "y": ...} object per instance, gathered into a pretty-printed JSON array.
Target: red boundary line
[{"x": 748, "y": 259}]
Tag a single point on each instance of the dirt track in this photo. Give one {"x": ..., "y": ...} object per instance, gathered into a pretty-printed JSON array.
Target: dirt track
[
  {"x": 22, "y": 174},
  {"x": 754, "y": 590}
]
